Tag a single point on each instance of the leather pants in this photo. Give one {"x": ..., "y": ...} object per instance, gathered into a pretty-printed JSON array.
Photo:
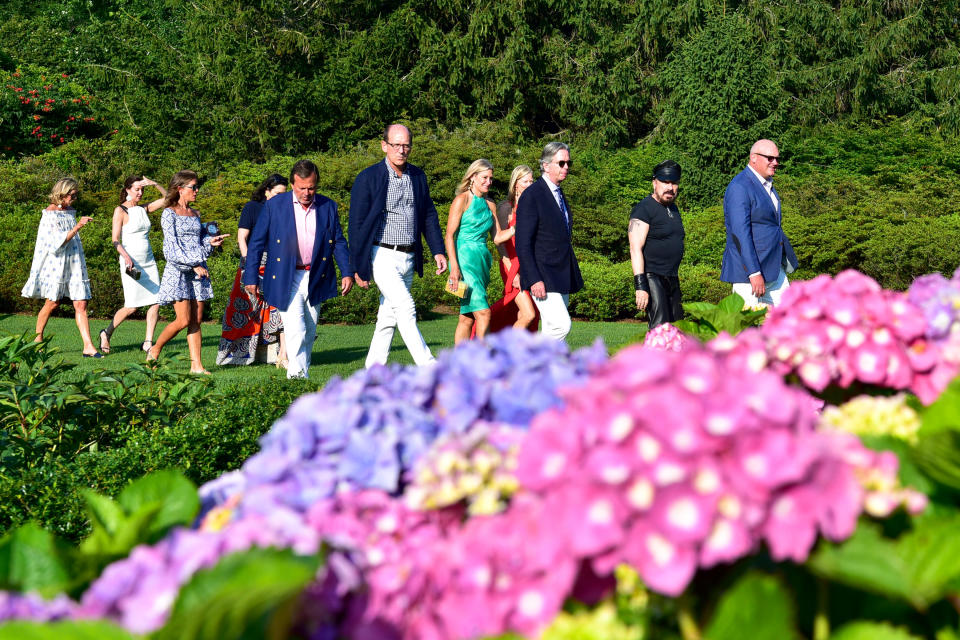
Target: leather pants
[{"x": 664, "y": 305}]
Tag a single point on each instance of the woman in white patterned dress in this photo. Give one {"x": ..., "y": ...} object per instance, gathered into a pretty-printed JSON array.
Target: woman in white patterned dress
[
  {"x": 186, "y": 281},
  {"x": 59, "y": 269},
  {"x": 131, "y": 237}
]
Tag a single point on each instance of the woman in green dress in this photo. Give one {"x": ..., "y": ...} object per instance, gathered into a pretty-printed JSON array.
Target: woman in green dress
[{"x": 473, "y": 215}]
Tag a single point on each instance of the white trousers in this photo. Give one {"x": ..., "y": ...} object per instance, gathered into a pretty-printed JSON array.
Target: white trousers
[
  {"x": 774, "y": 291},
  {"x": 554, "y": 317},
  {"x": 300, "y": 325},
  {"x": 393, "y": 274}
]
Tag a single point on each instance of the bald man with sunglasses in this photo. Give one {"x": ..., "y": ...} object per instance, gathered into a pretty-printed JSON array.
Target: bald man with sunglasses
[{"x": 758, "y": 255}]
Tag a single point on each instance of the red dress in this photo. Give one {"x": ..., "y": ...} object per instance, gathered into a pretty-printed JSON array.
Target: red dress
[{"x": 503, "y": 312}]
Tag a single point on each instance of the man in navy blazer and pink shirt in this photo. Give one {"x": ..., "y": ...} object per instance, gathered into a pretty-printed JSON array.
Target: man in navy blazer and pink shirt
[
  {"x": 548, "y": 266},
  {"x": 301, "y": 235},
  {"x": 758, "y": 256},
  {"x": 390, "y": 209}
]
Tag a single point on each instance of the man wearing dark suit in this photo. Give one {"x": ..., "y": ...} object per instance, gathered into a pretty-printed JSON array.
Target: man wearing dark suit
[
  {"x": 548, "y": 267},
  {"x": 758, "y": 256},
  {"x": 390, "y": 208},
  {"x": 300, "y": 231}
]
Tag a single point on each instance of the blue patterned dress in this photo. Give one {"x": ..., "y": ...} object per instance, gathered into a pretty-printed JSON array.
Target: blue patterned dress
[{"x": 185, "y": 246}]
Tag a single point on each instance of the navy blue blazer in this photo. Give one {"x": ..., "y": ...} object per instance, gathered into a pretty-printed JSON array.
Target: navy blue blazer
[
  {"x": 368, "y": 199},
  {"x": 755, "y": 239},
  {"x": 544, "y": 249},
  {"x": 276, "y": 234}
]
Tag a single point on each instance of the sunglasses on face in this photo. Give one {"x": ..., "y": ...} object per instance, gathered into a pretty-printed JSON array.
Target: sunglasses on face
[
  {"x": 191, "y": 186},
  {"x": 565, "y": 163},
  {"x": 769, "y": 158}
]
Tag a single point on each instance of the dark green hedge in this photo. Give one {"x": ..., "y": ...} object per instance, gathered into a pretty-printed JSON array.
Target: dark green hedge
[
  {"x": 203, "y": 445},
  {"x": 882, "y": 199}
]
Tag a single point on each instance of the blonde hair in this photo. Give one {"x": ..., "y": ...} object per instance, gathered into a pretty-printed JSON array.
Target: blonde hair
[
  {"x": 519, "y": 171},
  {"x": 62, "y": 187},
  {"x": 475, "y": 167}
]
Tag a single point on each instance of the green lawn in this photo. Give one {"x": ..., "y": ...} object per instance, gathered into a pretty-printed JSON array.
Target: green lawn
[{"x": 339, "y": 349}]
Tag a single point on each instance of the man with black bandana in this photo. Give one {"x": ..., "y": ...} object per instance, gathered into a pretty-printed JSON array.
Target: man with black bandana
[{"x": 656, "y": 238}]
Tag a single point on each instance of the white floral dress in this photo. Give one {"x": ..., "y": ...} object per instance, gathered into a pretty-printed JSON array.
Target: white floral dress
[{"x": 58, "y": 270}]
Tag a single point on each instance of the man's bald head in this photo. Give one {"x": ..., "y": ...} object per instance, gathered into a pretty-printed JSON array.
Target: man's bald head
[{"x": 765, "y": 158}]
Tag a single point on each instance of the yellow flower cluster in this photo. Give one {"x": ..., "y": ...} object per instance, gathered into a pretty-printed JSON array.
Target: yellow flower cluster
[
  {"x": 597, "y": 623},
  {"x": 471, "y": 468},
  {"x": 872, "y": 415}
]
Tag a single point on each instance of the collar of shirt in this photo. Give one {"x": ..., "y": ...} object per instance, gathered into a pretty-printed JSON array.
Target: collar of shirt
[
  {"x": 393, "y": 172},
  {"x": 553, "y": 190},
  {"x": 306, "y": 222},
  {"x": 767, "y": 184}
]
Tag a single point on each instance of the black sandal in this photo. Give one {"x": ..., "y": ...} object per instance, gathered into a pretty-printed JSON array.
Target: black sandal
[{"x": 104, "y": 337}]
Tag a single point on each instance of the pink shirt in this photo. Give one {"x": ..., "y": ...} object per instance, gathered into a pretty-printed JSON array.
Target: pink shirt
[{"x": 306, "y": 230}]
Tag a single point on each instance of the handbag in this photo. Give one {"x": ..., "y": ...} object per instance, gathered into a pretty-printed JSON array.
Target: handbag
[{"x": 460, "y": 291}]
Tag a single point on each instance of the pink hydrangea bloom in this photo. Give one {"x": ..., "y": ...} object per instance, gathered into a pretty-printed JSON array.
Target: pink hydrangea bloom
[
  {"x": 847, "y": 330},
  {"x": 665, "y": 337}
]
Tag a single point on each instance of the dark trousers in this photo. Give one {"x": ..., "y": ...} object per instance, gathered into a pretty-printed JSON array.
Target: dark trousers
[{"x": 664, "y": 305}]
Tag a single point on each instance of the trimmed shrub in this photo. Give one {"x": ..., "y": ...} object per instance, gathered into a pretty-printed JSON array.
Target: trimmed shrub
[{"x": 203, "y": 444}]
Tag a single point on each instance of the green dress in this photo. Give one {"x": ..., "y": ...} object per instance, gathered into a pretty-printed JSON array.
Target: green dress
[{"x": 473, "y": 255}]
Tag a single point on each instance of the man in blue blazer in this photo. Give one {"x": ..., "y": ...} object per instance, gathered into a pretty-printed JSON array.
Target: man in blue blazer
[
  {"x": 548, "y": 266},
  {"x": 390, "y": 209},
  {"x": 301, "y": 235},
  {"x": 758, "y": 256}
]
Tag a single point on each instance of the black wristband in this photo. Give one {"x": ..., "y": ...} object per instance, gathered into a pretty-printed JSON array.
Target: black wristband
[{"x": 640, "y": 282}]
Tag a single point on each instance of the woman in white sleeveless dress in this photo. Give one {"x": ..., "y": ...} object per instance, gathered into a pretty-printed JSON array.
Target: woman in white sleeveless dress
[{"x": 131, "y": 237}]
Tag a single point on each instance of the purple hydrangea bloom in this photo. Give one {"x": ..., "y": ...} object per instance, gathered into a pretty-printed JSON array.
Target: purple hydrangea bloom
[
  {"x": 368, "y": 430},
  {"x": 30, "y": 606}
]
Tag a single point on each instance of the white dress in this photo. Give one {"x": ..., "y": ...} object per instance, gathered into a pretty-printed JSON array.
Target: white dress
[
  {"x": 57, "y": 271},
  {"x": 135, "y": 238}
]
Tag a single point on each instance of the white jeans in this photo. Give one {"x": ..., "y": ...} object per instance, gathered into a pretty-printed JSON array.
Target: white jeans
[
  {"x": 300, "y": 325},
  {"x": 774, "y": 291},
  {"x": 554, "y": 317},
  {"x": 393, "y": 274}
]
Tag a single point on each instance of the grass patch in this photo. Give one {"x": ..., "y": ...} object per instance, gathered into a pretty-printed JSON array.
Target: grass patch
[{"x": 339, "y": 349}]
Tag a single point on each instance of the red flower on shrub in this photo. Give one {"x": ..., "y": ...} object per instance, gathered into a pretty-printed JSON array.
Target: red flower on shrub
[
  {"x": 36, "y": 117},
  {"x": 63, "y": 75}
]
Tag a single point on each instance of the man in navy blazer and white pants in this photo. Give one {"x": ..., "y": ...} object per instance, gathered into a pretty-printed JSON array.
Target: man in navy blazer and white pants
[
  {"x": 390, "y": 209},
  {"x": 758, "y": 256},
  {"x": 300, "y": 232},
  {"x": 548, "y": 266}
]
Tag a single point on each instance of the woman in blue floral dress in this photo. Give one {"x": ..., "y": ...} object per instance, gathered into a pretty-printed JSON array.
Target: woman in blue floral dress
[
  {"x": 185, "y": 282},
  {"x": 59, "y": 269}
]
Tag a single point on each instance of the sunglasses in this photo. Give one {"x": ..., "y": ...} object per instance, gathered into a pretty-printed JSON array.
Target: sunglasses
[
  {"x": 565, "y": 163},
  {"x": 191, "y": 186},
  {"x": 769, "y": 158}
]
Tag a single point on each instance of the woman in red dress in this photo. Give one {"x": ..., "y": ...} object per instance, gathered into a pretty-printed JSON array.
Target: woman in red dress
[
  {"x": 516, "y": 307},
  {"x": 248, "y": 323}
]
